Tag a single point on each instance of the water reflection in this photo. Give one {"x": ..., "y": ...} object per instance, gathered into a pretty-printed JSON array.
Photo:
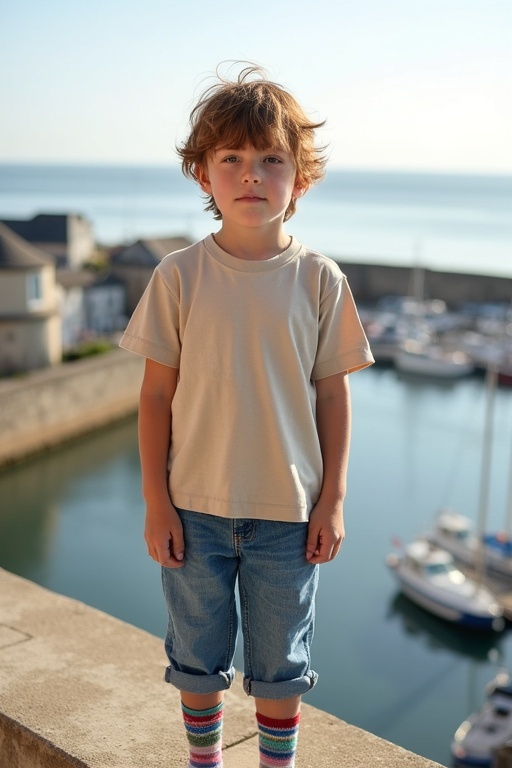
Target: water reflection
[
  {"x": 436, "y": 634},
  {"x": 482, "y": 650},
  {"x": 35, "y": 494}
]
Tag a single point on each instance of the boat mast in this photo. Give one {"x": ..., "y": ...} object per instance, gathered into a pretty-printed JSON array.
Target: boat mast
[
  {"x": 508, "y": 516},
  {"x": 507, "y": 329},
  {"x": 483, "y": 506}
]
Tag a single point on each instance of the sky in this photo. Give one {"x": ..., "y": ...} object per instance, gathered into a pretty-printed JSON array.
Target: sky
[{"x": 403, "y": 84}]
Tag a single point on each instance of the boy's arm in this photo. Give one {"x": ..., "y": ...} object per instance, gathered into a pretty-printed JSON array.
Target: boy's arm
[
  {"x": 326, "y": 529},
  {"x": 163, "y": 531}
]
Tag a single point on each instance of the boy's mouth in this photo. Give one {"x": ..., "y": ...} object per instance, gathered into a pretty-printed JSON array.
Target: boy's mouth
[{"x": 250, "y": 198}]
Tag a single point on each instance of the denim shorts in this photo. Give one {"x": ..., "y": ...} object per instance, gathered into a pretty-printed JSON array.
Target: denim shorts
[{"x": 276, "y": 588}]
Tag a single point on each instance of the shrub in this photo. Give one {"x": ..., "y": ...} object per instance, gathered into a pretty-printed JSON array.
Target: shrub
[{"x": 87, "y": 349}]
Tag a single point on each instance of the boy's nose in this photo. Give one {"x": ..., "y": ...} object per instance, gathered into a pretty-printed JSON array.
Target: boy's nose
[{"x": 250, "y": 175}]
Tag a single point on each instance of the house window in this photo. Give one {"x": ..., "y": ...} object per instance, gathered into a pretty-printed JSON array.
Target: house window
[{"x": 34, "y": 290}]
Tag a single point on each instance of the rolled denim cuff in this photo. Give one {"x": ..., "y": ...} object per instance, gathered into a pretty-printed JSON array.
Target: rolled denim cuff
[
  {"x": 284, "y": 689},
  {"x": 184, "y": 681}
]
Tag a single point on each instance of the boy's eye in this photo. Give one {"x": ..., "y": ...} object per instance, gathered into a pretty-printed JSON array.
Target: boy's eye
[
  {"x": 273, "y": 159},
  {"x": 230, "y": 159}
]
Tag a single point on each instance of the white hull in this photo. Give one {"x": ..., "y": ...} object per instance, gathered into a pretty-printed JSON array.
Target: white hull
[
  {"x": 428, "y": 577},
  {"x": 429, "y": 603},
  {"x": 432, "y": 362},
  {"x": 477, "y": 738}
]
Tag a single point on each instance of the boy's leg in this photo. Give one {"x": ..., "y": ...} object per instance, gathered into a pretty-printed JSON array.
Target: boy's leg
[
  {"x": 277, "y": 591},
  {"x": 201, "y": 633},
  {"x": 201, "y": 700},
  {"x": 280, "y": 708},
  {"x": 278, "y": 726},
  {"x": 202, "y": 716}
]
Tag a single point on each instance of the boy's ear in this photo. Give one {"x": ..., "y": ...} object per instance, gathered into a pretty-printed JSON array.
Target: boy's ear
[
  {"x": 202, "y": 179},
  {"x": 300, "y": 188}
]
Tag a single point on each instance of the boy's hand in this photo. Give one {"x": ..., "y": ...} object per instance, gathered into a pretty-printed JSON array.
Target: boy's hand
[
  {"x": 163, "y": 533},
  {"x": 325, "y": 532}
]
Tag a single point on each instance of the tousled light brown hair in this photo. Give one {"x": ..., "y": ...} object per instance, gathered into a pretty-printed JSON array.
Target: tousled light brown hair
[{"x": 251, "y": 110}]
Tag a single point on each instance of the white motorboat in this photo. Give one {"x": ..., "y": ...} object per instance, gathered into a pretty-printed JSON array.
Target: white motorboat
[
  {"x": 427, "y": 575},
  {"x": 432, "y": 360},
  {"x": 477, "y": 738},
  {"x": 454, "y": 532}
]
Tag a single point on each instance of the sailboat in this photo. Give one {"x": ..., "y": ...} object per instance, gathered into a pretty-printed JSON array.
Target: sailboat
[
  {"x": 455, "y": 533},
  {"x": 491, "y": 551},
  {"x": 492, "y": 344}
]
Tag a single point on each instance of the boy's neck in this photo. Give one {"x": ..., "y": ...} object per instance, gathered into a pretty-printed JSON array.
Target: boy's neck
[{"x": 252, "y": 244}]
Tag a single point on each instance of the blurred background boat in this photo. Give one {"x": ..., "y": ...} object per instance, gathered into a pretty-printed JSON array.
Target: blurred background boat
[{"x": 478, "y": 738}]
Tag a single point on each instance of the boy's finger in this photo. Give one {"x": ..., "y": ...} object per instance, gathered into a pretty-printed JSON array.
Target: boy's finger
[
  {"x": 176, "y": 544},
  {"x": 169, "y": 560},
  {"x": 169, "y": 553},
  {"x": 312, "y": 546},
  {"x": 324, "y": 552},
  {"x": 177, "y": 548}
]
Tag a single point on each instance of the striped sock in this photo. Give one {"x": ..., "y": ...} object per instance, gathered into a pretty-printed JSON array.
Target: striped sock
[
  {"x": 278, "y": 741},
  {"x": 204, "y": 734}
]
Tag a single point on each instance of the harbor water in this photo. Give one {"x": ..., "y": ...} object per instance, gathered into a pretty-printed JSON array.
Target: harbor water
[{"x": 71, "y": 520}]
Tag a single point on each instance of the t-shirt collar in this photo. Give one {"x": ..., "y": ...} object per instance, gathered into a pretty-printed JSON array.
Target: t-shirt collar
[{"x": 257, "y": 265}]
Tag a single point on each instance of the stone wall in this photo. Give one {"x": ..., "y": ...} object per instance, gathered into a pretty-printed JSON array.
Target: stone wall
[
  {"x": 369, "y": 282},
  {"x": 44, "y": 408}
]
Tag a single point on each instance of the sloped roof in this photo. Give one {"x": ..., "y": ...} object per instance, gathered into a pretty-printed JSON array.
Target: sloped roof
[
  {"x": 43, "y": 228},
  {"x": 150, "y": 252},
  {"x": 16, "y": 253}
]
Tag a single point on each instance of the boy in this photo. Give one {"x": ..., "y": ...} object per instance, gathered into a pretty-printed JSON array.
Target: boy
[{"x": 244, "y": 419}]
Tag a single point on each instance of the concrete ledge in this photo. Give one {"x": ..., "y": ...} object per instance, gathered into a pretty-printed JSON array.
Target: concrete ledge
[{"x": 79, "y": 688}]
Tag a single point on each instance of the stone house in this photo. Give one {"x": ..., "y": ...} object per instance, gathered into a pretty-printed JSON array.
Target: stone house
[
  {"x": 30, "y": 324},
  {"x": 134, "y": 264},
  {"x": 68, "y": 237},
  {"x": 90, "y": 305}
]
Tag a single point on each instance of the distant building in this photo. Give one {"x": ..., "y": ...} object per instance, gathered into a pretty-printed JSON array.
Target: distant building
[
  {"x": 135, "y": 264},
  {"x": 71, "y": 285},
  {"x": 90, "y": 305},
  {"x": 67, "y": 237},
  {"x": 106, "y": 305},
  {"x": 30, "y": 325},
  {"x": 44, "y": 309}
]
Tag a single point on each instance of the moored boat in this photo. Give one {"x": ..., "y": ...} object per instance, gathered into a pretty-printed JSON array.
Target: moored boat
[
  {"x": 454, "y": 533},
  {"x": 432, "y": 360},
  {"x": 477, "y": 738},
  {"x": 427, "y": 575}
]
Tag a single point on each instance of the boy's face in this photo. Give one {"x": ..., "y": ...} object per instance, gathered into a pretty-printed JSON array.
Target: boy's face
[{"x": 251, "y": 187}]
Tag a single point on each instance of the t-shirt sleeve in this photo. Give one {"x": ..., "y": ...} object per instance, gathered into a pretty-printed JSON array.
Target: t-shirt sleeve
[
  {"x": 153, "y": 330},
  {"x": 342, "y": 342}
]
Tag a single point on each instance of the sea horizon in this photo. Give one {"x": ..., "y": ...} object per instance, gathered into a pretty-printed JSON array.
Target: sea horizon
[
  {"x": 330, "y": 167},
  {"x": 448, "y": 221}
]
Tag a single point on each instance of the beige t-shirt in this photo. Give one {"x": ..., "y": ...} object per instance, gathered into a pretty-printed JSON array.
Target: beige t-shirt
[{"x": 249, "y": 338}]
